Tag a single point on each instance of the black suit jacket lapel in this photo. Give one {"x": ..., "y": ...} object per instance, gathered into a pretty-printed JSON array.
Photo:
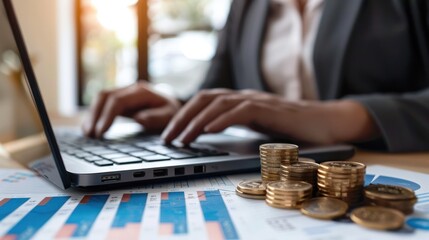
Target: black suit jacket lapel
[
  {"x": 251, "y": 40},
  {"x": 336, "y": 25}
]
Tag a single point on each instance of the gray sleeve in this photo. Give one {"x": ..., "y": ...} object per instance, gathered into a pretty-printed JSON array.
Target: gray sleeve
[{"x": 402, "y": 119}]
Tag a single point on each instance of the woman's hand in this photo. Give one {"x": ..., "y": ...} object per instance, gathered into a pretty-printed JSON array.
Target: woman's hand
[
  {"x": 137, "y": 101},
  {"x": 315, "y": 122}
]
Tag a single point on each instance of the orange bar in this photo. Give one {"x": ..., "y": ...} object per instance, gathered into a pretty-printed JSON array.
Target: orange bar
[
  {"x": 44, "y": 201},
  {"x": 214, "y": 231},
  {"x": 164, "y": 196},
  {"x": 66, "y": 231},
  {"x": 126, "y": 198},
  {"x": 85, "y": 199},
  {"x": 8, "y": 237},
  {"x": 4, "y": 201},
  {"x": 166, "y": 229},
  {"x": 201, "y": 196},
  {"x": 131, "y": 231}
]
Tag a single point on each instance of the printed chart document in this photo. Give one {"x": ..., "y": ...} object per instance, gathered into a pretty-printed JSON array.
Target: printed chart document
[{"x": 32, "y": 208}]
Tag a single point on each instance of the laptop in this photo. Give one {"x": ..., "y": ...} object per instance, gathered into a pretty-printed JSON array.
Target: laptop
[{"x": 136, "y": 157}]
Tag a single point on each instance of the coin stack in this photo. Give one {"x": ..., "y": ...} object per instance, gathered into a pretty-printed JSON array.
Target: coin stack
[
  {"x": 253, "y": 189},
  {"x": 300, "y": 171},
  {"x": 400, "y": 198},
  {"x": 273, "y": 155},
  {"x": 342, "y": 180},
  {"x": 288, "y": 194}
]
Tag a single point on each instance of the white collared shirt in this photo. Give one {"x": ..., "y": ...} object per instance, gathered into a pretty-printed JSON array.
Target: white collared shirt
[{"x": 287, "y": 63}]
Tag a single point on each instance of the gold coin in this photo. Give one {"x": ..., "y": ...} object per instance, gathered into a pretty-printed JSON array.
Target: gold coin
[
  {"x": 288, "y": 195},
  {"x": 326, "y": 174},
  {"x": 278, "y": 146},
  {"x": 310, "y": 160},
  {"x": 380, "y": 218},
  {"x": 324, "y": 208},
  {"x": 301, "y": 167},
  {"x": 384, "y": 191},
  {"x": 250, "y": 196},
  {"x": 343, "y": 167},
  {"x": 252, "y": 187},
  {"x": 288, "y": 206},
  {"x": 289, "y": 186}
]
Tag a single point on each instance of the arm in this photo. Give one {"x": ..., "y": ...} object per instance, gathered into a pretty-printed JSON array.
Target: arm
[{"x": 403, "y": 120}]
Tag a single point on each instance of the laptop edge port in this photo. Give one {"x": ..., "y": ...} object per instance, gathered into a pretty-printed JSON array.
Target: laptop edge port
[
  {"x": 160, "y": 172},
  {"x": 111, "y": 178},
  {"x": 139, "y": 174},
  {"x": 200, "y": 169},
  {"x": 179, "y": 171}
]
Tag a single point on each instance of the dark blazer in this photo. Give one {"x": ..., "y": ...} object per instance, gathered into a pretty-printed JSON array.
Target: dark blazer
[{"x": 376, "y": 52}]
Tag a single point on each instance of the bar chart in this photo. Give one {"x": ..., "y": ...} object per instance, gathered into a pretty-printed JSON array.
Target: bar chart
[{"x": 113, "y": 216}]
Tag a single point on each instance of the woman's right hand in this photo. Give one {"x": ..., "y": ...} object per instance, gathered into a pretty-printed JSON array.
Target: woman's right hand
[{"x": 137, "y": 101}]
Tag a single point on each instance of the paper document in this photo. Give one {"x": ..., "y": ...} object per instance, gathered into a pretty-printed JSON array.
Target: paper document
[{"x": 31, "y": 208}]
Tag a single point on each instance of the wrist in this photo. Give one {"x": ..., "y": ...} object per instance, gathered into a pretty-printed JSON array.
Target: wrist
[{"x": 350, "y": 121}]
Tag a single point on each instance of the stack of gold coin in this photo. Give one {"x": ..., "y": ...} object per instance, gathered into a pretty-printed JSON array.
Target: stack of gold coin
[
  {"x": 300, "y": 171},
  {"x": 273, "y": 155},
  {"x": 253, "y": 189},
  {"x": 400, "y": 198},
  {"x": 288, "y": 194},
  {"x": 342, "y": 180},
  {"x": 301, "y": 159}
]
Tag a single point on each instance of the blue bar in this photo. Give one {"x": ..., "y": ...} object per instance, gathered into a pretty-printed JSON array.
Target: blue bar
[
  {"x": 9, "y": 205},
  {"x": 36, "y": 218},
  {"x": 130, "y": 210},
  {"x": 173, "y": 211},
  {"x": 85, "y": 214},
  {"x": 214, "y": 210}
]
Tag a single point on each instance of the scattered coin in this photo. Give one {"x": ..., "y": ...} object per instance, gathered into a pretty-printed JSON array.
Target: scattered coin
[
  {"x": 379, "y": 218},
  {"x": 397, "y": 197},
  {"x": 324, "y": 208}
]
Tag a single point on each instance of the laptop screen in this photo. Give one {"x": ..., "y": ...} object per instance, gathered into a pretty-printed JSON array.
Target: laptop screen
[{"x": 26, "y": 112}]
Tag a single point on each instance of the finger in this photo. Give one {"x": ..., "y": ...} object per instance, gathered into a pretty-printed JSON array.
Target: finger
[
  {"x": 189, "y": 111},
  {"x": 96, "y": 108},
  {"x": 122, "y": 103},
  {"x": 217, "y": 107},
  {"x": 246, "y": 113},
  {"x": 154, "y": 119}
]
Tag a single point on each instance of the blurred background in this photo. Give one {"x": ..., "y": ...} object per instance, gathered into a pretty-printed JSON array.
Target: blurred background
[{"x": 79, "y": 47}]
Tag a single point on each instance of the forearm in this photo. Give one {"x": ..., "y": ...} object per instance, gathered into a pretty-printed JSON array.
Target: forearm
[{"x": 333, "y": 122}]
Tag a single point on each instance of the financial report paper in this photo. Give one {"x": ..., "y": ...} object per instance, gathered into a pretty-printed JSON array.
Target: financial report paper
[{"x": 208, "y": 208}]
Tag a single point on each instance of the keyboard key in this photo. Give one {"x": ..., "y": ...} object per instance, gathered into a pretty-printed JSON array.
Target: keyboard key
[
  {"x": 118, "y": 146},
  {"x": 129, "y": 149},
  {"x": 83, "y": 155},
  {"x": 103, "y": 163},
  {"x": 104, "y": 151},
  {"x": 94, "y": 148},
  {"x": 155, "y": 158},
  {"x": 126, "y": 160},
  {"x": 114, "y": 155},
  {"x": 180, "y": 155},
  {"x": 160, "y": 149},
  {"x": 93, "y": 158},
  {"x": 142, "y": 153}
]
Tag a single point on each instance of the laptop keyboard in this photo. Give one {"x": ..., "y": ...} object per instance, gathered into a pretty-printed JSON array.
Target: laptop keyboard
[{"x": 110, "y": 152}]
